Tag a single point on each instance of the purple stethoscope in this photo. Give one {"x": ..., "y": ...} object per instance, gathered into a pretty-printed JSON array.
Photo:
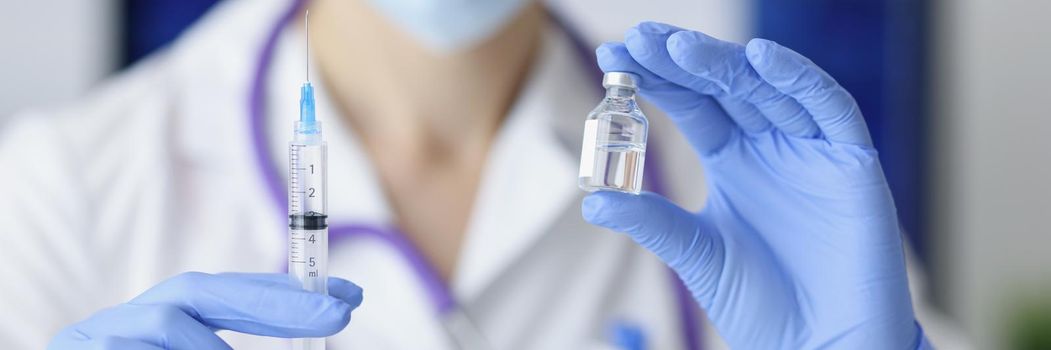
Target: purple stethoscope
[{"x": 441, "y": 297}]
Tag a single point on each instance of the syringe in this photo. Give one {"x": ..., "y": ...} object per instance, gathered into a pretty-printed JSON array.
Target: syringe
[{"x": 307, "y": 204}]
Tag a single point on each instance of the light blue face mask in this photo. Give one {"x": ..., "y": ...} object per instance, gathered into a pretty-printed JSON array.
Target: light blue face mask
[{"x": 450, "y": 25}]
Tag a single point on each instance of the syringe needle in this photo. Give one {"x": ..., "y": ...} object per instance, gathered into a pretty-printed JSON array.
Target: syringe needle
[{"x": 306, "y": 28}]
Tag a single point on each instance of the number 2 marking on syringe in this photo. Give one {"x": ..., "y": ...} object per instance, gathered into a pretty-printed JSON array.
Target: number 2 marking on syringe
[{"x": 302, "y": 174}]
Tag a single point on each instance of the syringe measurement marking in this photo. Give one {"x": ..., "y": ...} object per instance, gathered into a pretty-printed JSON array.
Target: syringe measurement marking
[
  {"x": 296, "y": 179},
  {"x": 297, "y": 249}
]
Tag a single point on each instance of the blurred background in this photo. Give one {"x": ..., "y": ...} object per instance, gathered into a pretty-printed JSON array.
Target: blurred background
[{"x": 953, "y": 91}]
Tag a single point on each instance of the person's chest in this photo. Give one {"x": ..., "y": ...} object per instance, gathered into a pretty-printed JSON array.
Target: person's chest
[
  {"x": 533, "y": 275},
  {"x": 562, "y": 291}
]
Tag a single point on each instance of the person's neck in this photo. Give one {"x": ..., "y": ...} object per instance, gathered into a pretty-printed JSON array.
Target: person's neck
[{"x": 409, "y": 100}]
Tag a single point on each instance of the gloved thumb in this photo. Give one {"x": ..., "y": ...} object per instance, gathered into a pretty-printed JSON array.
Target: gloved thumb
[{"x": 672, "y": 233}]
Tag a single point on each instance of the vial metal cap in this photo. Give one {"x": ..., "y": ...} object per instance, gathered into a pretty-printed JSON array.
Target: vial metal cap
[{"x": 624, "y": 79}]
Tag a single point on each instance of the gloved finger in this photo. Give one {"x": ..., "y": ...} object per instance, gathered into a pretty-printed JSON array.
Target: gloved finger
[
  {"x": 832, "y": 107},
  {"x": 745, "y": 115},
  {"x": 725, "y": 65},
  {"x": 700, "y": 117},
  {"x": 116, "y": 343},
  {"x": 647, "y": 43},
  {"x": 337, "y": 287},
  {"x": 163, "y": 326},
  {"x": 269, "y": 307},
  {"x": 673, "y": 234},
  {"x": 345, "y": 290}
]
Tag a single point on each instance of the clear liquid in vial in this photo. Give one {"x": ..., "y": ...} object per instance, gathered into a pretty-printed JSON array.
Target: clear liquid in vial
[{"x": 617, "y": 167}]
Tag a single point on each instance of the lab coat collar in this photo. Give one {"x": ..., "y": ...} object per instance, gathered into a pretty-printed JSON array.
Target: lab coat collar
[{"x": 530, "y": 176}]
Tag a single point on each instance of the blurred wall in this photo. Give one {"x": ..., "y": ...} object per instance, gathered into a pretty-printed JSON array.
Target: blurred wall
[
  {"x": 992, "y": 161},
  {"x": 53, "y": 50},
  {"x": 151, "y": 24}
]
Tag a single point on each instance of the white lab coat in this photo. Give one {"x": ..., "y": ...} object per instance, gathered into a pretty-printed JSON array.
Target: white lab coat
[{"x": 153, "y": 175}]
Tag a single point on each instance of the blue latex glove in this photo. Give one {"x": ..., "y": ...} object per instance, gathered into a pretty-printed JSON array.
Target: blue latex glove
[
  {"x": 798, "y": 245},
  {"x": 185, "y": 311}
]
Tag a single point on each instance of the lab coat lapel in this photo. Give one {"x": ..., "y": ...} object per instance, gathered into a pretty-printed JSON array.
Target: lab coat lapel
[{"x": 530, "y": 176}]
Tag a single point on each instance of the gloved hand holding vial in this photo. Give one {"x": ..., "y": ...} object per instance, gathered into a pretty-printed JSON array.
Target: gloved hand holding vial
[{"x": 798, "y": 245}]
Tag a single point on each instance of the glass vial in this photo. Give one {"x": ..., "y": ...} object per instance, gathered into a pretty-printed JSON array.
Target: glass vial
[{"x": 614, "y": 148}]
